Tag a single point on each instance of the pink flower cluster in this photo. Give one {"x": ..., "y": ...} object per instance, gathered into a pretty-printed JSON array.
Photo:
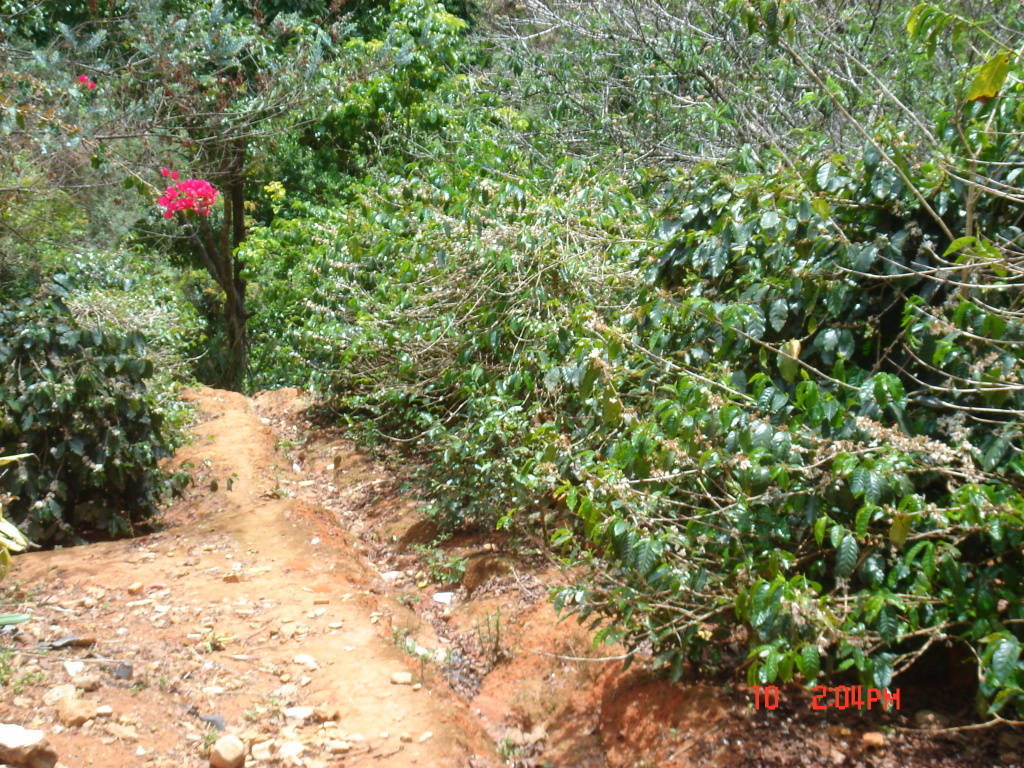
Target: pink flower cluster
[
  {"x": 189, "y": 195},
  {"x": 84, "y": 79}
]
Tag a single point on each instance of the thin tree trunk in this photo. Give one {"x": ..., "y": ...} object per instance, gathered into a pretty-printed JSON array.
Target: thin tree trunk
[
  {"x": 225, "y": 269},
  {"x": 218, "y": 254},
  {"x": 236, "y": 315}
]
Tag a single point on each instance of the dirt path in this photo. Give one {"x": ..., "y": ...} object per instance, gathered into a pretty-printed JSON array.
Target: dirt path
[{"x": 239, "y": 611}]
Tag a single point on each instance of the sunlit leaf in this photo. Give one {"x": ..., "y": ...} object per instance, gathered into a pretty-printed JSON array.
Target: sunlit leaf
[
  {"x": 789, "y": 354},
  {"x": 990, "y": 78}
]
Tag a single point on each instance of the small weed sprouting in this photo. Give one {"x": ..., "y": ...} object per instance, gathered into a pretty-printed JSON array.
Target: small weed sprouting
[
  {"x": 410, "y": 600},
  {"x": 286, "y": 445},
  {"x": 488, "y": 636},
  {"x": 440, "y": 566},
  {"x": 509, "y": 750},
  {"x": 209, "y": 739},
  {"x": 400, "y": 637},
  {"x": 17, "y": 684}
]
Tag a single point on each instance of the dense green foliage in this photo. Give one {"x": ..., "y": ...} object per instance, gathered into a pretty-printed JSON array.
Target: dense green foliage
[
  {"x": 76, "y": 399},
  {"x": 722, "y": 298},
  {"x": 191, "y": 85},
  {"x": 779, "y": 390}
]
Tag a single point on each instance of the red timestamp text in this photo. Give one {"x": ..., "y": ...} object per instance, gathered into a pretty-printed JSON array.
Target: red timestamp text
[{"x": 840, "y": 697}]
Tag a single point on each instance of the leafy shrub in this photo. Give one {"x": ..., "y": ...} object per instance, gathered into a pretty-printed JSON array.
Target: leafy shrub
[
  {"x": 77, "y": 400},
  {"x": 824, "y": 379},
  {"x": 381, "y": 88},
  {"x": 35, "y": 220},
  {"x": 120, "y": 294},
  {"x": 277, "y": 257},
  {"x": 781, "y": 399},
  {"x": 773, "y": 399},
  {"x": 776, "y": 472},
  {"x": 421, "y": 333},
  {"x": 11, "y": 540}
]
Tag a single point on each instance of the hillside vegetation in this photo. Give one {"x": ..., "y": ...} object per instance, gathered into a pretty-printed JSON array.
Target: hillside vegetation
[{"x": 721, "y": 299}]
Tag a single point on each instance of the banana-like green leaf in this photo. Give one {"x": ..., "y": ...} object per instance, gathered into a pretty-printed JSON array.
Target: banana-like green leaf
[
  {"x": 789, "y": 353},
  {"x": 7, "y": 619},
  {"x": 990, "y": 78},
  {"x": 12, "y": 459},
  {"x": 11, "y": 538}
]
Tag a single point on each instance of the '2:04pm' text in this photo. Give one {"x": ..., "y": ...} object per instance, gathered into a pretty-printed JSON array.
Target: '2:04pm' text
[{"x": 840, "y": 697}]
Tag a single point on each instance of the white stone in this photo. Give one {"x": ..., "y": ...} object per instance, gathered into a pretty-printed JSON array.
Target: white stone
[
  {"x": 306, "y": 661},
  {"x": 445, "y": 598},
  {"x": 228, "y": 752},
  {"x": 66, "y": 691},
  {"x": 298, "y": 713},
  {"x": 23, "y": 747},
  {"x": 74, "y": 668},
  {"x": 286, "y": 694},
  {"x": 264, "y": 750},
  {"x": 426, "y": 653},
  {"x": 401, "y": 678},
  {"x": 76, "y": 712},
  {"x": 291, "y": 749}
]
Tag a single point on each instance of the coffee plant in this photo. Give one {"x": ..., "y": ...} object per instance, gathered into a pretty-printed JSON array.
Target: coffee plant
[
  {"x": 76, "y": 400},
  {"x": 769, "y": 400}
]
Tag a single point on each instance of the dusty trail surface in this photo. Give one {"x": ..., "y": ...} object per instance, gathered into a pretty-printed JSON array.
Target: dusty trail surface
[{"x": 237, "y": 611}]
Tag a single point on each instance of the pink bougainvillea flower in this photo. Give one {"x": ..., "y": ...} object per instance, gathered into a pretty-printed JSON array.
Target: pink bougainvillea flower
[
  {"x": 92, "y": 85},
  {"x": 188, "y": 195},
  {"x": 83, "y": 78},
  {"x": 165, "y": 172}
]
